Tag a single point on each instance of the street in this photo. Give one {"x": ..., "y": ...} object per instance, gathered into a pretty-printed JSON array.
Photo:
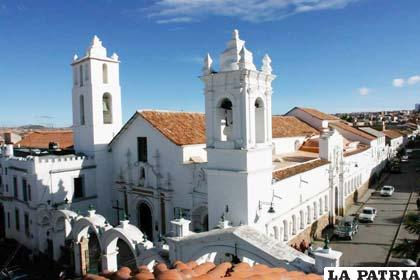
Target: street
[{"x": 372, "y": 244}]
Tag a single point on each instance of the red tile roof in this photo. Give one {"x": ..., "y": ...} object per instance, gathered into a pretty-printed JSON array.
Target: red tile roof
[
  {"x": 296, "y": 169},
  {"x": 318, "y": 114},
  {"x": 184, "y": 128},
  {"x": 392, "y": 133},
  {"x": 206, "y": 271},
  {"x": 289, "y": 126},
  {"x": 353, "y": 130},
  {"x": 42, "y": 139},
  {"x": 179, "y": 127}
]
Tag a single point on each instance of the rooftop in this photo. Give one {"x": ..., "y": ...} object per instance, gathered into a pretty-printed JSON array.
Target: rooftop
[
  {"x": 317, "y": 114},
  {"x": 184, "y": 128},
  {"x": 205, "y": 271},
  {"x": 296, "y": 169},
  {"x": 289, "y": 126},
  {"x": 393, "y": 134},
  {"x": 42, "y": 139}
]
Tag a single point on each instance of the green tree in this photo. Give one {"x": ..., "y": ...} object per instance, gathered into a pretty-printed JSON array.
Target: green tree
[{"x": 410, "y": 248}]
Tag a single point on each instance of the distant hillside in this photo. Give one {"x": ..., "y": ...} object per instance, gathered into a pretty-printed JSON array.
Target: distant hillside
[{"x": 33, "y": 126}]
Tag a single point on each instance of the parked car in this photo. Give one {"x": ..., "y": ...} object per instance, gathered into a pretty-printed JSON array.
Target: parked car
[
  {"x": 368, "y": 214},
  {"x": 404, "y": 158},
  {"x": 347, "y": 227},
  {"x": 387, "y": 190},
  {"x": 13, "y": 273}
]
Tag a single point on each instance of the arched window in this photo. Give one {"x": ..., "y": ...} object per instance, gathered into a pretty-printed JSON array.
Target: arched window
[
  {"x": 75, "y": 76},
  {"x": 104, "y": 73},
  {"x": 82, "y": 109},
  {"x": 224, "y": 117},
  {"x": 259, "y": 121},
  {"x": 107, "y": 108},
  {"x": 81, "y": 75},
  {"x": 86, "y": 73}
]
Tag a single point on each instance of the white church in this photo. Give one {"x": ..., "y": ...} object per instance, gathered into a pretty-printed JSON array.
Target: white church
[{"x": 235, "y": 180}]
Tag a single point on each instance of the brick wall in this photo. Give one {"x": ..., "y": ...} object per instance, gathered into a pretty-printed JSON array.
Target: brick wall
[{"x": 311, "y": 232}]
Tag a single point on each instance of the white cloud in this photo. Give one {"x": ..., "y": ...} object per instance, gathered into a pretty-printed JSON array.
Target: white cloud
[
  {"x": 398, "y": 82},
  {"x": 171, "y": 11},
  {"x": 364, "y": 91},
  {"x": 410, "y": 81},
  {"x": 413, "y": 80},
  {"x": 175, "y": 20}
]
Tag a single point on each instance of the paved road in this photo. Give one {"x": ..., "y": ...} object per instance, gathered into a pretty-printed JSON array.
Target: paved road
[{"x": 371, "y": 245}]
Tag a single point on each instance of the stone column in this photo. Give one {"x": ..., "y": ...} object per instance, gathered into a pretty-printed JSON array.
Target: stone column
[{"x": 109, "y": 261}]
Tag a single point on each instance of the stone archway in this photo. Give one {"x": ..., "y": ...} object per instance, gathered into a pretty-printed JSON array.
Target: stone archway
[
  {"x": 145, "y": 219},
  {"x": 93, "y": 253},
  {"x": 125, "y": 255},
  {"x": 87, "y": 242}
]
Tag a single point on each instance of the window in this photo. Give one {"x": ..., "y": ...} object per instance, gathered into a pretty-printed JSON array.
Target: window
[
  {"x": 24, "y": 190},
  {"x": 104, "y": 73},
  {"x": 81, "y": 75},
  {"x": 74, "y": 76},
  {"x": 7, "y": 188},
  {"x": 107, "y": 108},
  {"x": 8, "y": 219},
  {"x": 82, "y": 109},
  {"x": 142, "y": 149},
  {"x": 26, "y": 222},
  {"x": 29, "y": 193},
  {"x": 224, "y": 117},
  {"x": 17, "y": 221},
  {"x": 15, "y": 187},
  {"x": 259, "y": 121},
  {"x": 78, "y": 187}
]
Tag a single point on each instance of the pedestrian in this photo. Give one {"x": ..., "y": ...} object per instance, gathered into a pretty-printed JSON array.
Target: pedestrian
[
  {"x": 418, "y": 203},
  {"x": 310, "y": 250}
]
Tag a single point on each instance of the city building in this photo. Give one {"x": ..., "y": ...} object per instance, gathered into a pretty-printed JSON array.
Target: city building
[{"x": 261, "y": 182}]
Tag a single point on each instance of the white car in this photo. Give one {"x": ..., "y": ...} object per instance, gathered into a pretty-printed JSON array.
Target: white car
[
  {"x": 387, "y": 190},
  {"x": 368, "y": 214},
  {"x": 404, "y": 158}
]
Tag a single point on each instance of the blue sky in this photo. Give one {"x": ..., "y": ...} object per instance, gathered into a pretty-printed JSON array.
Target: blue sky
[{"x": 334, "y": 55}]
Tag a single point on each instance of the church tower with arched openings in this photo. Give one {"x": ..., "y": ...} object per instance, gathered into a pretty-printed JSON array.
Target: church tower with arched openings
[
  {"x": 239, "y": 138},
  {"x": 97, "y": 114},
  {"x": 96, "y": 99}
]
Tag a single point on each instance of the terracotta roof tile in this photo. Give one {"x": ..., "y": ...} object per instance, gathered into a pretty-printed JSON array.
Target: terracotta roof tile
[
  {"x": 392, "y": 133},
  {"x": 184, "y": 128},
  {"x": 318, "y": 114},
  {"x": 296, "y": 169},
  {"x": 179, "y": 127},
  {"x": 289, "y": 126},
  {"x": 358, "y": 132},
  {"x": 205, "y": 271},
  {"x": 42, "y": 139}
]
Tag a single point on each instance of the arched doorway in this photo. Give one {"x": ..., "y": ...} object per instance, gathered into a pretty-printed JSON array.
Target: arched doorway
[
  {"x": 93, "y": 253},
  {"x": 145, "y": 220},
  {"x": 199, "y": 219},
  {"x": 125, "y": 256}
]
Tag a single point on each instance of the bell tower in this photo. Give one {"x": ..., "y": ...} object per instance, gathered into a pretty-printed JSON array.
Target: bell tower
[
  {"x": 96, "y": 99},
  {"x": 238, "y": 128}
]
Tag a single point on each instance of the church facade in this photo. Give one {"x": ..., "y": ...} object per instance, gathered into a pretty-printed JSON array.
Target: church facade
[{"x": 285, "y": 177}]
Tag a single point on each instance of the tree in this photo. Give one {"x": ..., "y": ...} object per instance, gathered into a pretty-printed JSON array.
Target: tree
[{"x": 410, "y": 248}]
